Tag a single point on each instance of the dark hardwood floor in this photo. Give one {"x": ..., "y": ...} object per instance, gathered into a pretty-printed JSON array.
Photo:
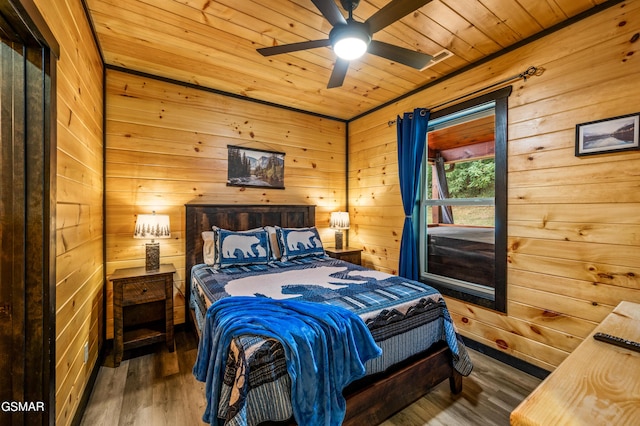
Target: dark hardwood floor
[{"x": 158, "y": 389}]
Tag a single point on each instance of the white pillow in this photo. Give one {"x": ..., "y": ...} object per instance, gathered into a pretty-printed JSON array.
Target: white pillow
[
  {"x": 208, "y": 248},
  {"x": 273, "y": 241}
]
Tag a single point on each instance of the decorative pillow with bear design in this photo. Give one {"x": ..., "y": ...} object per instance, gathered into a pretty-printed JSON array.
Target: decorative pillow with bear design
[
  {"x": 241, "y": 248},
  {"x": 299, "y": 242}
]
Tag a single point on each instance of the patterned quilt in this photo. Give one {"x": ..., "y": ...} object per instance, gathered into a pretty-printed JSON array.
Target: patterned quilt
[{"x": 404, "y": 317}]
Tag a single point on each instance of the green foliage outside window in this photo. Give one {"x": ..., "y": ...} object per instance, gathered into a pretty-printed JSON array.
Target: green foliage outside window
[{"x": 472, "y": 179}]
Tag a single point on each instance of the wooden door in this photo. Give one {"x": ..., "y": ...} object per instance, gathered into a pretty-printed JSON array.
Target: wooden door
[{"x": 27, "y": 222}]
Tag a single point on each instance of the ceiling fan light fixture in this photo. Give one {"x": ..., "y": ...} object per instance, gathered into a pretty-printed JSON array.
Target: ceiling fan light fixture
[
  {"x": 350, "y": 41},
  {"x": 350, "y": 48}
]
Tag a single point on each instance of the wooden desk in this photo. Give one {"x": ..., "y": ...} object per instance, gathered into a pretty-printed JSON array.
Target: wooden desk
[{"x": 598, "y": 384}]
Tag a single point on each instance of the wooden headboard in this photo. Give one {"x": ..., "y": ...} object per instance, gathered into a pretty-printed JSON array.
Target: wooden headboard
[{"x": 236, "y": 217}]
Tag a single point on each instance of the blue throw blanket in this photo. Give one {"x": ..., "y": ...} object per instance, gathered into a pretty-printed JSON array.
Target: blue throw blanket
[{"x": 325, "y": 348}]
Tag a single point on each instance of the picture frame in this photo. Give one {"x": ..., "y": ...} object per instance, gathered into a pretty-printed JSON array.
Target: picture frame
[
  {"x": 608, "y": 135},
  {"x": 257, "y": 168}
]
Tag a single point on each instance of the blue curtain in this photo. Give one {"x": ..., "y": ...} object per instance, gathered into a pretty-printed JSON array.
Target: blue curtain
[{"x": 412, "y": 133}]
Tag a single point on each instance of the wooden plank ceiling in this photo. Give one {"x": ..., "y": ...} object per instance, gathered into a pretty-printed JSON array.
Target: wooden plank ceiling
[{"x": 212, "y": 43}]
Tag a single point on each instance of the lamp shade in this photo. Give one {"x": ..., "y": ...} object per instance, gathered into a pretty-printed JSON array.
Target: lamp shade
[
  {"x": 339, "y": 220},
  {"x": 152, "y": 226}
]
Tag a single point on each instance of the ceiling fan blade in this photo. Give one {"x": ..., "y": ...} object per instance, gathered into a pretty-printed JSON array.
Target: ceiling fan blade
[
  {"x": 293, "y": 47},
  {"x": 393, "y": 11},
  {"x": 338, "y": 74},
  {"x": 330, "y": 11},
  {"x": 399, "y": 54}
]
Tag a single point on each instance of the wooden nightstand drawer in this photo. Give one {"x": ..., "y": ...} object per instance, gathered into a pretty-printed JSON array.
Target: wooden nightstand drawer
[
  {"x": 352, "y": 258},
  {"x": 136, "y": 292},
  {"x": 351, "y": 255}
]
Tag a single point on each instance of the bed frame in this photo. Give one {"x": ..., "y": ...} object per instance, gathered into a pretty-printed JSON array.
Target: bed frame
[{"x": 370, "y": 400}]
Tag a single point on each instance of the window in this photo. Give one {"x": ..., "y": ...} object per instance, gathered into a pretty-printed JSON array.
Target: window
[{"x": 463, "y": 207}]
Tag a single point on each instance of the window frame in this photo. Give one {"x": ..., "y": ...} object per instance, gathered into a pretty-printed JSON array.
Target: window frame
[{"x": 499, "y": 300}]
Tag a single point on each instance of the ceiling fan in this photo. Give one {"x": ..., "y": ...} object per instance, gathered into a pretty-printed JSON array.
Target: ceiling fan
[{"x": 350, "y": 39}]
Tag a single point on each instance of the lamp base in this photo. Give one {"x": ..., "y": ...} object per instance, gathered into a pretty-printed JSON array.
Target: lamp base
[
  {"x": 152, "y": 257},
  {"x": 339, "y": 240}
]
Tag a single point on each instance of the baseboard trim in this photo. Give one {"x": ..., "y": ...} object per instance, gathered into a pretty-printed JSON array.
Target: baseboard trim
[
  {"x": 86, "y": 394},
  {"x": 510, "y": 360}
]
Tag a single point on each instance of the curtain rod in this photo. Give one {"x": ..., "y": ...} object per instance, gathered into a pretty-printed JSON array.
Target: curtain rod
[{"x": 531, "y": 71}]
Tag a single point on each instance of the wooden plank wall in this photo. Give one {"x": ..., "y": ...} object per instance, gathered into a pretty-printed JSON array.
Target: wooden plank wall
[
  {"x": 573, "y": 223},
  {"x": 79, "y": 229},
  {"x": 166, "y": 145}
]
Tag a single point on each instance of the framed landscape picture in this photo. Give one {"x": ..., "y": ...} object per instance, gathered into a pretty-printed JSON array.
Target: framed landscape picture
[
  {"x": 255, "y": 168},
  {"x": 608, "y": 135}
]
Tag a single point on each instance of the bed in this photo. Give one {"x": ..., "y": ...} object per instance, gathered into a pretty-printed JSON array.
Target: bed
[{"x": 393, "y": 380}]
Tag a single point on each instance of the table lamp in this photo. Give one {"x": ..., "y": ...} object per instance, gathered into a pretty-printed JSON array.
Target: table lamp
[
  {"x": 339, "y": 221},
  {"x": 152, "y": 226}
]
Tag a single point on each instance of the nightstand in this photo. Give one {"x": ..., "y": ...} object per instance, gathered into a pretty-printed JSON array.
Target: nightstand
[
  {"x": 142, "y": 308},
  {"x": 351, "y": 255}
]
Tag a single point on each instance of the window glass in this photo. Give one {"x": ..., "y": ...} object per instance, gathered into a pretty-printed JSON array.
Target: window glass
[{"x": 463, "y": 202}]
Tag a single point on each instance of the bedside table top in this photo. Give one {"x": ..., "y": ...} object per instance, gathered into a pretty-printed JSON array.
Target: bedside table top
[
  {"x": 140, "y": 271},
  {"x": 344, "y": 250}
]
